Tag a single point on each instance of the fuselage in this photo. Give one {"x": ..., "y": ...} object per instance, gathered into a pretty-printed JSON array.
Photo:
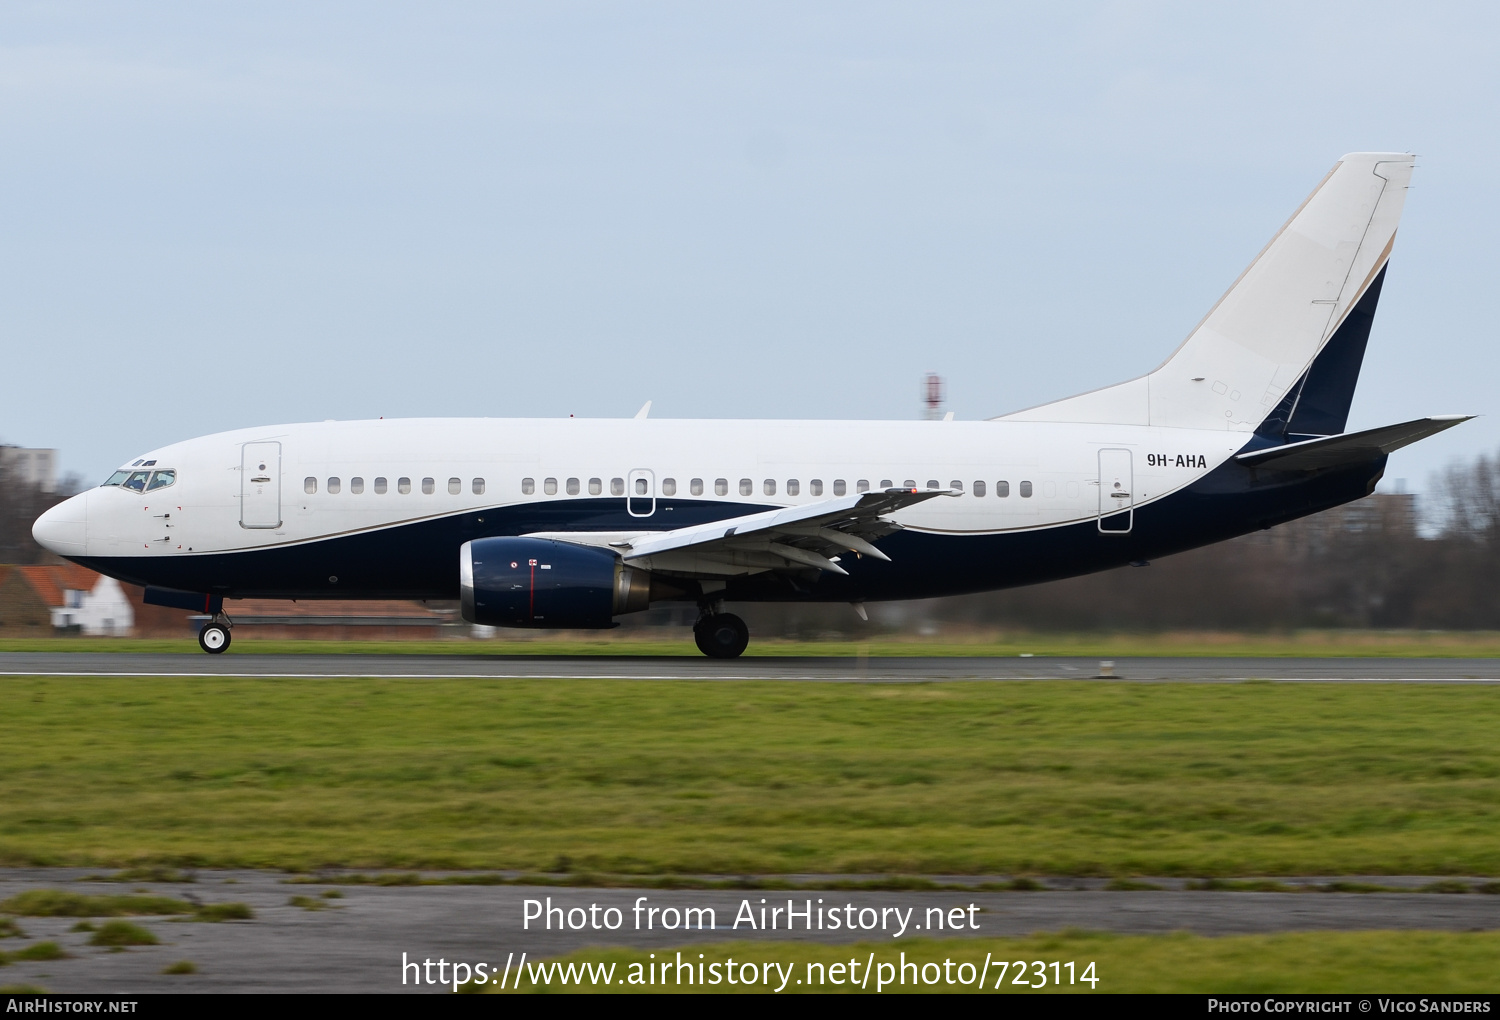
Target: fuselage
[{"x": 381, "y": 508}]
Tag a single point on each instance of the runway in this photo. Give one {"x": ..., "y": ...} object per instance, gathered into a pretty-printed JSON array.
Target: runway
[
  {"x": 874, "y": 669},
  {"x": 355, "y": 943}
]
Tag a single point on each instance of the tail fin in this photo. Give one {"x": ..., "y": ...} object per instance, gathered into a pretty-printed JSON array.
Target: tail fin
[{"x": 1259, "y": 355}]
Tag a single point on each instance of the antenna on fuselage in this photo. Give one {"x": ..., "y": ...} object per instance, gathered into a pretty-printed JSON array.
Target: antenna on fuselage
[{"x": 644, "y": 411}]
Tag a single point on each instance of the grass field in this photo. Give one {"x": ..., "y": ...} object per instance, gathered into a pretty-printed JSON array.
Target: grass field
[
  {"x": 1308, "y": 643},
  {"x": 1354, "y": 962},
  {"x": 661, "y": 778}
]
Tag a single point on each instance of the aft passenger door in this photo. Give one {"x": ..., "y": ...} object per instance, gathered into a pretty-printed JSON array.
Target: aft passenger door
[
  {"x": 260, "y": 485},
  {"x": 1116, "y": 492}
]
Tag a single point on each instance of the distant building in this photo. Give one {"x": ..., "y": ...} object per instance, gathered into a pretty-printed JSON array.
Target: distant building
[
  {"x": 338, "y": 619},
  {"x": 35, "y": 467},
  {"x": 39, "y": 600}
]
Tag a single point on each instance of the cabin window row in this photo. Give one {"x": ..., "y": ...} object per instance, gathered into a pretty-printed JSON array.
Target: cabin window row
[
  {"x": 747, "y": 486},
  {"x": 381, "y": 485}
]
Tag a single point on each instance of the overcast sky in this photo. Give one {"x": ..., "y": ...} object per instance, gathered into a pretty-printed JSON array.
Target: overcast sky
[{"x": 222, "y": 215}]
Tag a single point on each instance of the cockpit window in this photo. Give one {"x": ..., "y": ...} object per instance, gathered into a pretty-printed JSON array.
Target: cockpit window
[
  {"x": 117, "y": 477},
  {"x": 161, "y": 479},
  {"x": 136, "y": 482}
]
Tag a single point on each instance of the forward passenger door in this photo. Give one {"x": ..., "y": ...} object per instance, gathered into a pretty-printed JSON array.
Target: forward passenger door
[{"x": 260, "y": 485}]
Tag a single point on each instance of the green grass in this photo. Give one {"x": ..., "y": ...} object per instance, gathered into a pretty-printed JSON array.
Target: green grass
[
  {"x": 60, "y": 903},
  {"x": 37, "y": 951},
  {"x": 1353, "y": 962},
  {"x": 181, "y": 967},
  {"x": 122, "y": 933},
  {"x": 63, "y": 903},
  {"x": 1303, "y": 643},
  {"x": 661, "y": 778}
]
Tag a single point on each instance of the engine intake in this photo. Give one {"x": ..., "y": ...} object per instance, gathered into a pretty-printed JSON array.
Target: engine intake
[{"x": 538, "y": 582}]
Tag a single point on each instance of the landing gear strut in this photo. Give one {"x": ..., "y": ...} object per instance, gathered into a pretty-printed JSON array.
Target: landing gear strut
[
  {"x": 721, "y": 635},
  {"x": 214, "y": 637}
]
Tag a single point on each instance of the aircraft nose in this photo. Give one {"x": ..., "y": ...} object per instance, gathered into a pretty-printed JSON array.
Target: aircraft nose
[{"x": 63, "y": 528}]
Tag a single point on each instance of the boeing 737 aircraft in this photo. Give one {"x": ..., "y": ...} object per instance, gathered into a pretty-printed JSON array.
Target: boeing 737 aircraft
[{"x": 570, "y": 523}]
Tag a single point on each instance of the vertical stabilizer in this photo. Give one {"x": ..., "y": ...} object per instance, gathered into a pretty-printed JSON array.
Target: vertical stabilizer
[{"x": 1258, "y": 342}]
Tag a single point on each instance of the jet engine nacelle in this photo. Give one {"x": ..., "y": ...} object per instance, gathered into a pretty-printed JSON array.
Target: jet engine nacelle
[{"x": 537, "y": 582}]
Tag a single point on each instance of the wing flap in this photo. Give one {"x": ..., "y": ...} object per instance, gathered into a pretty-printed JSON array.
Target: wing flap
[{"x": 799, "y": 537}]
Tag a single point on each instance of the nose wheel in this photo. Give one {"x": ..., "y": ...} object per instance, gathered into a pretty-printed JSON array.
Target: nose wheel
[
  {"x": 214, "y": 637},
  {"x": 721, "y": 635}
]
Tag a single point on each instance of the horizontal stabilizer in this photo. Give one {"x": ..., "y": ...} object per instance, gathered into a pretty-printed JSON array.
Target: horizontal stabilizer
[{"x": 1332, "y": 451}]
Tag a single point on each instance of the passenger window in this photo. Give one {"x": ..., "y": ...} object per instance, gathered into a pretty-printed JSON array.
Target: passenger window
[
  {"x": 380, "y": 486},
  {"x": 932, "y": 483},
  {"x": 956, "y": 485},
  {"x": 617, "y": 486},
  {"x": 455, "y": 486},
  {"x": 428, "y": 486},
  {"x": 595, "y": 486},
  {"x": 815, "y": 487},
  {"x": 549, "y": 486},
  {"x": 137, "y": 481},
  {"x": 162, "y": 479},
  {"x": 668, "y": 486},
  {"x": 792, "y": 487},
  {"x": 838, "y": 487},
  {"x": 721, "y": 486},
  {"x": 572, "y": 486},
  {"x": 356, "y": 485},
  {"x": 1025, "y": 490},
  {"x": 863, "y": 485},
  {"x": 1002, "y": 489},
  {"x": 309, "y": 484},
  {"x": 403, "y": 485},
  {"x": 910, "y": 483},
  {"x": 769, "y": 486},
  {"x": 978, "y": 488},
  {"x": 747, "y": 487},
  {"x": 640, "y": 486},
  {"x": 478, "y": 486},
  {"x": 696, "y": 487},
  {"x": 333, "y": 486},
  {"x": 528, "y": 486}
]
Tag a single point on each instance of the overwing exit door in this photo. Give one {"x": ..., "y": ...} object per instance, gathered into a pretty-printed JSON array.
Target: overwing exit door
[
  {"x": 260, "y": 485},
  {"x": 640, "y": 493},
  {"x": 1116, "y": 492}
]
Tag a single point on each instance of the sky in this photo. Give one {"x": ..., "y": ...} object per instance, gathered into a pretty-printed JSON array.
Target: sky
[{"x": 223, "y": 215}]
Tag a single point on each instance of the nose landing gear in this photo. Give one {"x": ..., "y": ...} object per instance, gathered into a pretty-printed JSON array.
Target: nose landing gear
[
  {"x": 720, "y": 635},
  {"x": 214, "y": 637}
]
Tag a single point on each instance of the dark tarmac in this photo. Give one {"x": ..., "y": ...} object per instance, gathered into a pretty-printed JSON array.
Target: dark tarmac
[
  {"x": 356, "y": 943},
  {"x": 831, "y": 669}
]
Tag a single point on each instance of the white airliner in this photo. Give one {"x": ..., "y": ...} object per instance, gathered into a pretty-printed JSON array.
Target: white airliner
[{"x": 569, "y": 523}]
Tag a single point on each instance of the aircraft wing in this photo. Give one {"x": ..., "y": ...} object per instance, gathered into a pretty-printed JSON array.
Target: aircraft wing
[
  {"x": 800, "y": 536},
  {"x": 1331, "y": 451}
]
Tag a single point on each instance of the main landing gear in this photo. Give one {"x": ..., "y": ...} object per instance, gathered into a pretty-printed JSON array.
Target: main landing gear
[
  {"x": 214, "y": 637},
  {"x": 721, "y": 635}
]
